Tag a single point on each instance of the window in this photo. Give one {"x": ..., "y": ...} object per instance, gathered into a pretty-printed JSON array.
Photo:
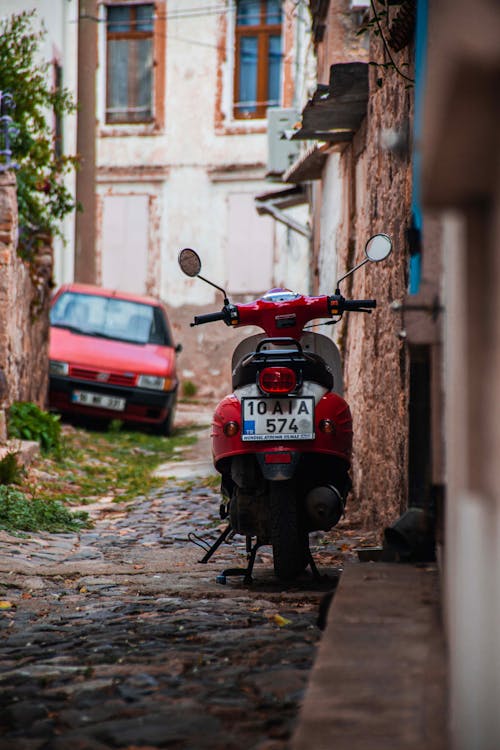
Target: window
[
  {"x": 111, "y": 317},
  {"x": 129, "y": 41},
  {"x": 257, "y": 80}
]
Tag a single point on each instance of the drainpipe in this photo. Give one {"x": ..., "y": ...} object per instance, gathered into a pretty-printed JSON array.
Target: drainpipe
[
  {"x": 416, "y": 207},
  {"x": 85, "y": 224},
  {"x": 268, "y": 207}
]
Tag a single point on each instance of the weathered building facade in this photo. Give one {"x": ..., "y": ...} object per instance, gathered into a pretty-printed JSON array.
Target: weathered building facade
[
  {"x": 360, "y": 172},
  {"x": 424, "y": 371},
  {"x": 172, "y": 135},
  {"x": 181, "y": 133}
]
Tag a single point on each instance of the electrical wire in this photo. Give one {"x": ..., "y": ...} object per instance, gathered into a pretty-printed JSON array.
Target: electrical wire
[
  {"x": 386, "y": 46},
  {"x": 192, "y": 12}
]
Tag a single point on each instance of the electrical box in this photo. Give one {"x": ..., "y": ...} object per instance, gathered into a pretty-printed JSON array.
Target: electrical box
[{"x": 281, "y": 151}]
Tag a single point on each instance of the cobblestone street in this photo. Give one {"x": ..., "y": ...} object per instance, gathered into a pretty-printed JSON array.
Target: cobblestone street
[{"x": 118, "y": 638}]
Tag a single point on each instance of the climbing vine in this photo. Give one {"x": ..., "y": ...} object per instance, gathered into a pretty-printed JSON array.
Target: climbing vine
[
  {"x": 37, "y": 102},
  {"x": 395, "y": 33}
]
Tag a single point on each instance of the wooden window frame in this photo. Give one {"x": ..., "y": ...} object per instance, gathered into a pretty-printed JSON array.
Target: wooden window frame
[
  {"x": 131, "y": 35},
  {"x": 263, "y": 31}
]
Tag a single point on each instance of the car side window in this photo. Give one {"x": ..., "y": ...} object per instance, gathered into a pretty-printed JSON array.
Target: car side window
[{"x": 159, "y": 331}]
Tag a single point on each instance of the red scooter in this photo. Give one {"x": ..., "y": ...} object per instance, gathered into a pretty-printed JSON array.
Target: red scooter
[{"x": 282, "y": 440}]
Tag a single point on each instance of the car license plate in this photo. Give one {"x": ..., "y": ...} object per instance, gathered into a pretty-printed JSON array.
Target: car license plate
[
  {"x": 278, "y": 418},
  {"x": 98, "y": 400}
]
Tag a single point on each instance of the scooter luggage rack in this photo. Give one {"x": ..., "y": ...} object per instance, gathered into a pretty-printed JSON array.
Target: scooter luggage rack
[
  {"x": 262, "y": 355},
  {"x": 308, "y": 366}
]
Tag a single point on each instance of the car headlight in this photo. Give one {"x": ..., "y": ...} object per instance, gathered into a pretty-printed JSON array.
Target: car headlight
[
  {"x": 152, "y": 381},
  {"x": 58, "y": 368}
]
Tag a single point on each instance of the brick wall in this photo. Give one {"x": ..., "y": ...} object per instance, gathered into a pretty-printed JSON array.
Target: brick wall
[{"x": 24, "y": 302}]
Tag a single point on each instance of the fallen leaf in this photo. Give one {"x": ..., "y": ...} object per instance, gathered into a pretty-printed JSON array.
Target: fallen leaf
[
  {"x": 4, "y": 604},
  {"x": 281, "y": 621},
  {"x": 83, "y": 590}
]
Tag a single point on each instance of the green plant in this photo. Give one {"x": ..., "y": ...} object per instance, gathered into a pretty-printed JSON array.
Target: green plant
[
  {"x": 43, "y": 198},
  {"x": 21, "y": 513},
  {"x": 27, "y": 421},
  {"x": 10, "y": 470},
  {"x": 189, "y": 389}
]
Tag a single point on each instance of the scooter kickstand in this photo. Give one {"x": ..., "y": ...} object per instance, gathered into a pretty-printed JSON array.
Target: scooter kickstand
[
  {"x": 246, "y": 572},
  {"x": 251, "y": 562},
  {"x": 215, "y": 546}
]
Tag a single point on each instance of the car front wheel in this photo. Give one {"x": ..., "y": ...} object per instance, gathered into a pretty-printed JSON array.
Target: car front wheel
[{"x": 165, "y": 428}]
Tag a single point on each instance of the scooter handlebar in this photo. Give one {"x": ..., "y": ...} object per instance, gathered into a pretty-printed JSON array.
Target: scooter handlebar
[
  {"x": 359, "y": 305},
  {"x": 208, "y": 318}
]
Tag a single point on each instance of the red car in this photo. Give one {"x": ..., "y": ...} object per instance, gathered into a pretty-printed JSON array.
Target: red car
[{"x": 112, "y": 357}]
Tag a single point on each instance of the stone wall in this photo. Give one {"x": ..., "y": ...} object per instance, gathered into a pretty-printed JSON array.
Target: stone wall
[
  {"x": 375, "y": 196},
  {"x": 24, "y": 303},
  {"x": 376, "y": 359}
]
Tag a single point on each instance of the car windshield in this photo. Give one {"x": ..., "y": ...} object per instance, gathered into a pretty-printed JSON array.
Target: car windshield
[{"x": 110, "y": 317}]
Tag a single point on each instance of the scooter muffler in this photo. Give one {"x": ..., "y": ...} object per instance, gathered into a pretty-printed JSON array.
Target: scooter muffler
[{"x": 324, "y": 506}]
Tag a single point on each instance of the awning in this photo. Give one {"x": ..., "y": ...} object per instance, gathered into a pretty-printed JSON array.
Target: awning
[
  {"x": 336, "y": 111},
  {"x": 274, "y": 204},
  {"x": 309, "y": 166}
]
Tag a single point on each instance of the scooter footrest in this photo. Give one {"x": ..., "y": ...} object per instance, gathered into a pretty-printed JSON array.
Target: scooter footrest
[{"x": 235, "y": 572}]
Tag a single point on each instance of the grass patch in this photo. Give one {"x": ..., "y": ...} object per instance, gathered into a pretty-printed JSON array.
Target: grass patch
[
  {"x": 116, "y": 463},
  {"x": 19, "y": 512},
  {"x": 86, "y": 466}
]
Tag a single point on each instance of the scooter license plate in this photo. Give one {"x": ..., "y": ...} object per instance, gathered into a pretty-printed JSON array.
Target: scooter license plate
[{"x": 278, "y": 418}]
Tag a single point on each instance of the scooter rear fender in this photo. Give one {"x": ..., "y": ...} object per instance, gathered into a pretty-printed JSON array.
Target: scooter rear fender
[{"x": 330, "y": 406}]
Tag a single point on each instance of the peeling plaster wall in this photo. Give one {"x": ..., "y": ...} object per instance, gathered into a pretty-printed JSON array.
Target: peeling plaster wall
[{"x": 24, "y": 301}]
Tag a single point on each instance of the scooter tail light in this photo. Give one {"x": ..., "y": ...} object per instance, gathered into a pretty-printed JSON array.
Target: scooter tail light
[{"x": 278, "y": 380}]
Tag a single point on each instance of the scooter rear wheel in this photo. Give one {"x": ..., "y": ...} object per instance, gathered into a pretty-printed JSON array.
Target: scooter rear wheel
[{"x": 289, "y": 539}]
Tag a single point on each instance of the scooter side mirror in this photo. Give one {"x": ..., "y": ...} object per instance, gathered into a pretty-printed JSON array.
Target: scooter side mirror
[
  {"x": 190, "y": 264},
  {"x": 189, "y": 261},
  {"x": 378, "y": 247}
]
